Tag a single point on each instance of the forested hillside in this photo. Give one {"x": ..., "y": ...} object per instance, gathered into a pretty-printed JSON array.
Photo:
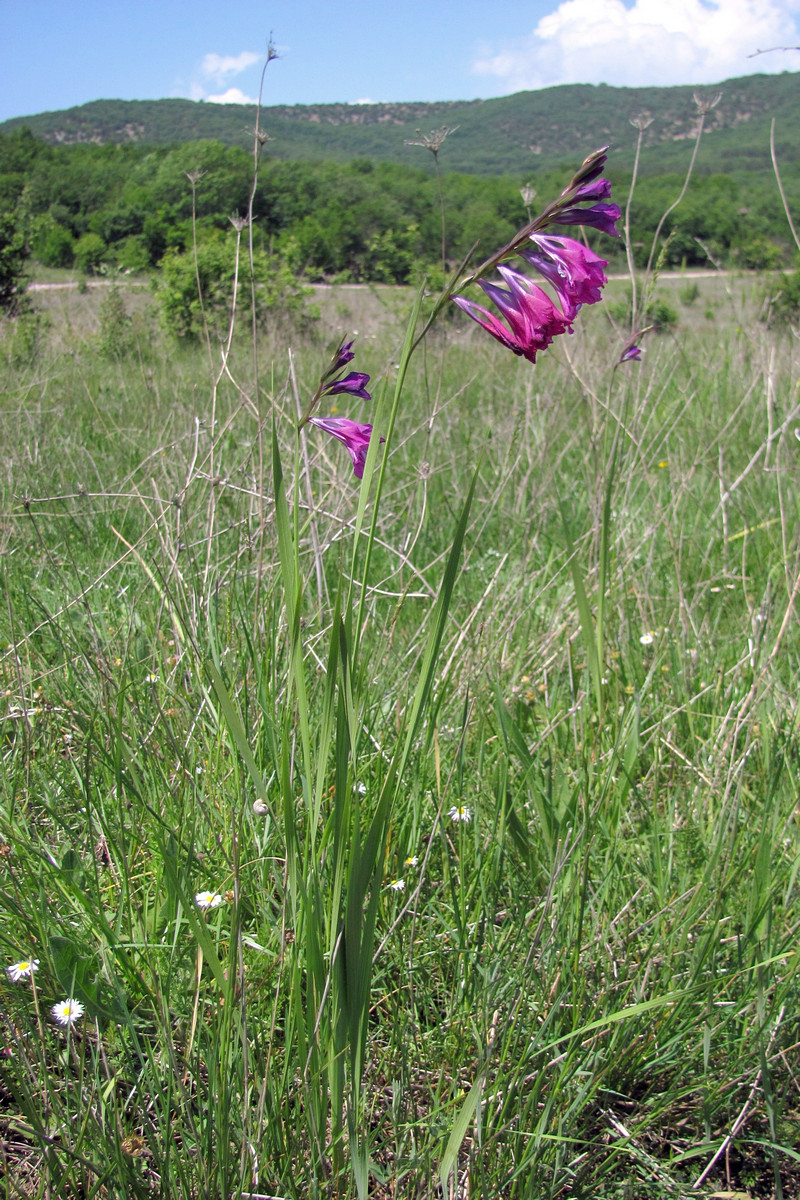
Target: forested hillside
[
  {"x": 107, "y": 186},
  {"x": 509, "y": 135}
]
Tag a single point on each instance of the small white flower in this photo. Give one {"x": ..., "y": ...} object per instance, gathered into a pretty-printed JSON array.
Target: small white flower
[
  {"x": 67, "y": 1012},
  {"x": 397, "y": 885},
  {"x": 647, "y": 639},
  {"x": 23, "y": 969},
  {"x": 412, "y": 860},
  {"x": 460, "y": 812},
  {"x": 153, "y": 678},
  {"x": 361, "y": 788},
  {"x": 207, "y": 900}
]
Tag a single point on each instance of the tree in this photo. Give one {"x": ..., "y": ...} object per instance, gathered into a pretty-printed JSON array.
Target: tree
[{"x": 13, "y": 253}]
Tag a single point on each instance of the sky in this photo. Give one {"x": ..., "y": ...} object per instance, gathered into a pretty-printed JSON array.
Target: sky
[{"x": 60, "y": 53}]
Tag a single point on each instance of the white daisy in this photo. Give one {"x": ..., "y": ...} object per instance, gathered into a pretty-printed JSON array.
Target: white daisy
[
  {"x": 412, "y": 860},
  {"x": 397, "y": 885},
  {"x": 23, "y": 969},
  {"x": 460, "y": 812},
  {"x": 206, "y": 900},
  {"x": 67, "y": 1012},
  {"x": 647, "y": 638}
]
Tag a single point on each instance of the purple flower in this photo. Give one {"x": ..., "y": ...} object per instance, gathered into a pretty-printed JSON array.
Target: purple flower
[
  {"x": 533, "y": 319},
  {"x": 353, "y": 384},
  {"x": 352, "y": 435},
  {"x": 631, "y": 352},
  {"x": 600, "y": 189},
  {"x": 342, "y": 357},
  {"x": 599, "y": 216},
  {"x": 573, "y": 270}
]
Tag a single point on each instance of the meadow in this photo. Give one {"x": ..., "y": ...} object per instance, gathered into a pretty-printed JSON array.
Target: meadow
[{"x": 434, "y": 837}]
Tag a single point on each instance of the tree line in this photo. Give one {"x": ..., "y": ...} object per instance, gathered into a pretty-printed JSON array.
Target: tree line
[{"x": 129, "y": 207}]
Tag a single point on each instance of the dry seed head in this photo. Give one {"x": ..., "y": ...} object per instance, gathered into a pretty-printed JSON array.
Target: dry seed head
[
  {"x": 642, "y": 122},
  {"x": 528, "y": 194},
  {"x": 432, "y": 141},
  {"x": 704, "y": 104},
  {"x": 194, "y": 177},
  {"x": 238, "y": 223},
  {"x": 261, "y": 136}
]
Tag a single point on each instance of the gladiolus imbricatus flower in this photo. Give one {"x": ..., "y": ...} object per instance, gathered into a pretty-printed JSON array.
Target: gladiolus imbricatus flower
[
  {"x": 533, "y": 319},
  {"x": 573, "y": 270},
  {"x": 352, "y": 435},
  {"x": 599, "y": 216},
  {"x": 353, "y": 384},
  {"x": 344, "y": 354}
]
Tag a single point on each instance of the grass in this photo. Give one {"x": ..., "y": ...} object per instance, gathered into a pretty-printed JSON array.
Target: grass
[{"x": 565, "y": 603}]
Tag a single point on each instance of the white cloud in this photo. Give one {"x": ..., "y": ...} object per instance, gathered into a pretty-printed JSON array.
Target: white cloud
[
  {"x": 650, "y": 43},
  {"x": 221, "y": 67},
  {"x": 218, "y": 69},
  {"x": 233, "y": 95}
]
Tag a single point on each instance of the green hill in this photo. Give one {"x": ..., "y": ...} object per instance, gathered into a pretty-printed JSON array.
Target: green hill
[{"x": 515, "y": 135}]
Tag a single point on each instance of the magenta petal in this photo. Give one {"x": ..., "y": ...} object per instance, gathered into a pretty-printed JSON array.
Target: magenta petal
[
  {"x": 572, "y": 269},
  {"x": 599, "y": 216},
  {"x": 490, "y": 323},
  {"x": 352, "y": 435},
  {"x": 533, "y": 319}
]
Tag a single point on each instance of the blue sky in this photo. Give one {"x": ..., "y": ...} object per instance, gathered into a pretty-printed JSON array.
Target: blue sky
[{"x": 58, "y": 54}]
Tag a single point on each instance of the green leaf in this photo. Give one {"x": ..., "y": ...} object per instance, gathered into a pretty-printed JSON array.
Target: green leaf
[{"x": 469, "y": 1109}]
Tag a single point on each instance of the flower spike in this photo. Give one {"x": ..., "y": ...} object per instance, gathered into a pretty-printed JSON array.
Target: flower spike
[
  {"x": 574, "y": 272},
  {"x": 334, "y": 384}
]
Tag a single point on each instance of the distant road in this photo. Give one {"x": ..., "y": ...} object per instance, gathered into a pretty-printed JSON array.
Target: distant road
[
  {"x": 71, "y": 284},
  {"x": 89, "y": 283}
]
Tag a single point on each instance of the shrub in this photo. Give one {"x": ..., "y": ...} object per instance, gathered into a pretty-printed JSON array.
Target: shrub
[
  {"x": 277, "y": 288},
  {"x": 56, "y": 247},
  {"x": 116, "y": 334},
  {"x": 760, "y": 254},
  {"x": 658, "y": 312},
  {"x": 25, "y": 338},
  {"x": 133, "y": 253},
  {"x": 662, "y": 315},
  {"x": 90, "y": 251},
  {"x": 783, "y": 299}
]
